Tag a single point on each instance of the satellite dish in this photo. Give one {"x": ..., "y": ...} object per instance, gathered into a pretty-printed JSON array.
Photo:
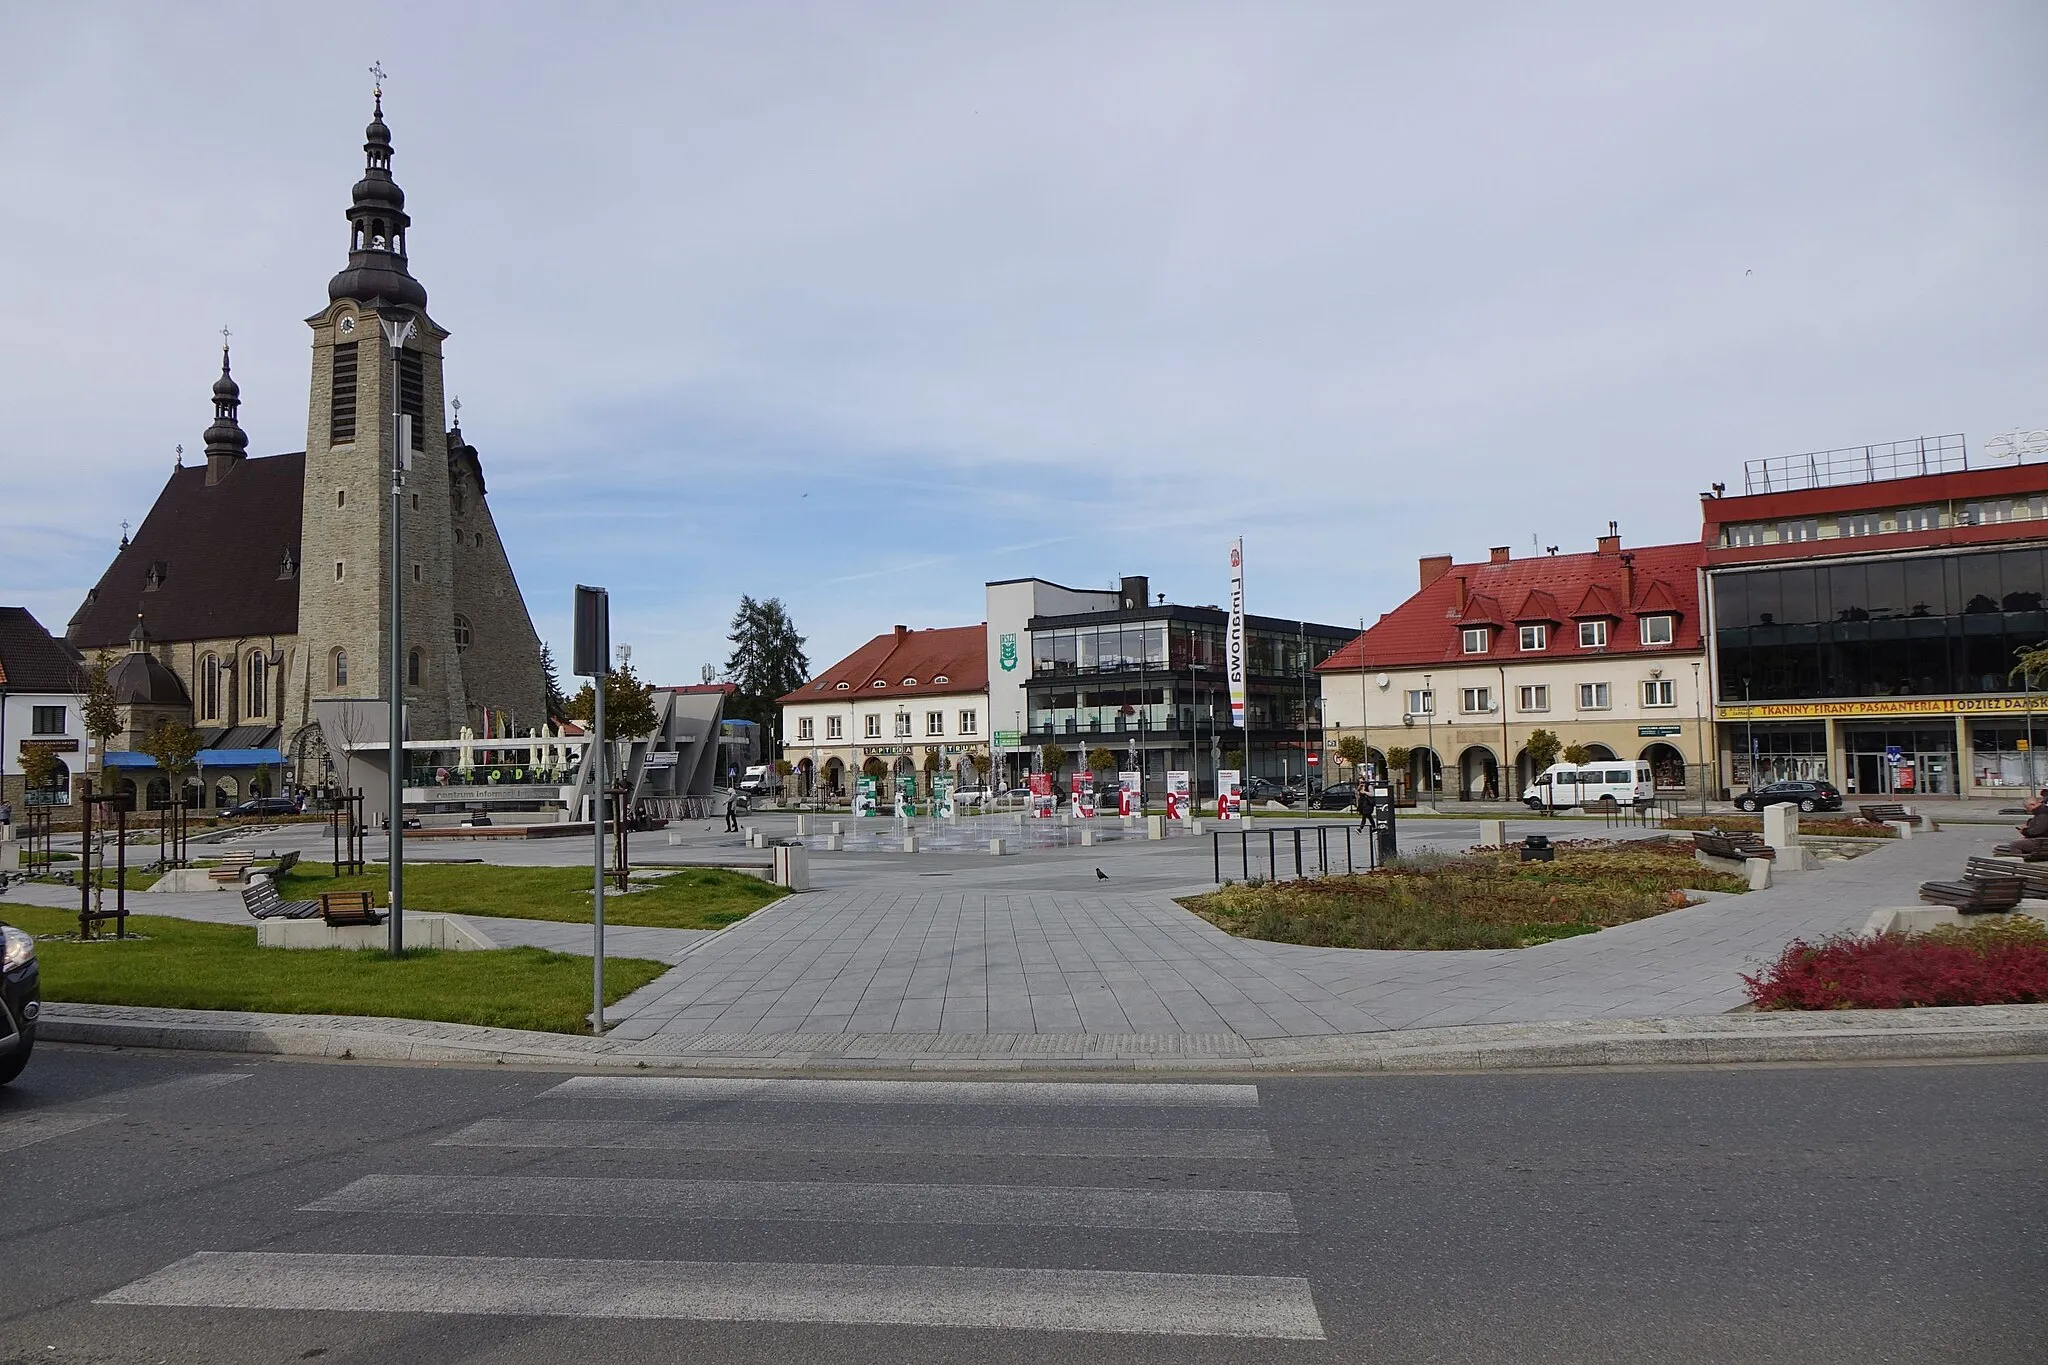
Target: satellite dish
[
  {"x": 2013, "y": 447},
  {"x": 1383, "y": 680}
]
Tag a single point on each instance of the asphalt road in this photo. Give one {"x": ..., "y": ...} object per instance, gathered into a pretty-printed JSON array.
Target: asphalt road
[{"x": 193, "y": 1208}]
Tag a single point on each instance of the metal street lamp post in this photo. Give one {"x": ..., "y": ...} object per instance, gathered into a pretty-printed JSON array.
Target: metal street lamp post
[
  {"x": 1700, "y": 734},
  {"x": 399, "y": 327},
  {"x": 1429, "y": 764}
]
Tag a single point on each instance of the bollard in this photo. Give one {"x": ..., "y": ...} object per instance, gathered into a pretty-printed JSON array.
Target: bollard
[
  {"x": 910, "y": 843},
  {"x": 1087, "y": 837},
  {"x": 838, "y": 827},
  {"x": 803, "y": 825},
  {"x": 1759, "y": 870},
  {"x": 675, "y": 837},
  {"x": 995, "y": 846},
  {"x": 1493, "y": 833},
  {"x": 835, "y": 843},
  {"x": 1155, "y": 827},
  {"x": 1194, "y": 826}
]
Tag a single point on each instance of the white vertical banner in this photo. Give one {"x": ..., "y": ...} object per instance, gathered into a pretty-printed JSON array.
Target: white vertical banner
[{"x": 1234, "y": 645}]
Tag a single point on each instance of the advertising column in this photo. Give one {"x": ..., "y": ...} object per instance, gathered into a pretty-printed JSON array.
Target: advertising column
[
  {"x": 1082, "y": 789},
  {"x": 1130, "y": 799},
  {"x": 1178, "y": 807},
  {"x": 1041, "y": 796},
  {"x": 1229, "y": 803},
  {"x": 1234, "y": 643}
]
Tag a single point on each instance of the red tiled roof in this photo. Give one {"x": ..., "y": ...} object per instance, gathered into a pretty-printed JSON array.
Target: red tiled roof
[
  {"x": 905, "y": 663},
  {"x": 1426, "y": 629},
  {"x": 1539, "y": 606}
]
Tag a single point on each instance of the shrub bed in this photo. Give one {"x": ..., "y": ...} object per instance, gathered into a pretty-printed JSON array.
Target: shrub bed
[
  {"x": 1484, "y": 899},
  {"x": 1973, "y": 964},
  {"x": 1808, "y": 824}
]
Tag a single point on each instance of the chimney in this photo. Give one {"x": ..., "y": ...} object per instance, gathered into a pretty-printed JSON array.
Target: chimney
[
  {"x": 1610, "y": 544},
  {"x": 1434, "y": 567},
  {"x": 1498, "y": 555},
  {"x": 1135, "y": 592},
  {"x": 1628, "y": 581},
  {"x": 902, "y": 631},
  {"x": 1458, "y": 602}
]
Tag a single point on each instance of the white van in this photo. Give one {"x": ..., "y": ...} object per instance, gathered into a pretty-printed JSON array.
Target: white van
[{"x": 1564, "y": 785}]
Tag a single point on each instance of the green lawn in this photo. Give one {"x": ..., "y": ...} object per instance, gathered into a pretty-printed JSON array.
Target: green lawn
[
  {"x": 690, "y": 898},
  {"x": 180, "y": 964}
]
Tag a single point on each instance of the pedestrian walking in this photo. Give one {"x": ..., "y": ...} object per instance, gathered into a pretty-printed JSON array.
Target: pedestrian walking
[
  {"x": 1364, "y": 807},
  {"x": 732, "y": 813}
]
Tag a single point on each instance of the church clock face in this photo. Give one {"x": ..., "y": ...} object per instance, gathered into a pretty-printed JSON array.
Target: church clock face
[{"x": 348, "y": 325}]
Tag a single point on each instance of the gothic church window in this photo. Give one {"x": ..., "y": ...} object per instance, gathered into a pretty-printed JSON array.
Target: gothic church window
[
  {"x": 339, "y": 661},
  {"x": 461, "y": 633},
  {"x": 258, "y": 675},
  {"x": 341, "y": 420},
  {"x": 209, "y": 688},
  {"x": 412, "y": 669},
  {"x": 341, "y": 497}
]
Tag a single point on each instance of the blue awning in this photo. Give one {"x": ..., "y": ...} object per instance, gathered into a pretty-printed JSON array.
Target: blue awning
[
  {"x": 238, "y": 758},
  {"x": 127, "y": 760}
]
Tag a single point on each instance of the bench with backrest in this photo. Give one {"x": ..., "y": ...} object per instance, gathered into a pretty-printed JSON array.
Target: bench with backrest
[
  {"x": 1883, "y": 813},
  {"x": 2033, "y": 878},
  {"x": 342, "y": 909},
  {"x": 261, "y": 900},
  {"x": 2019, "y": 850},
  {"x": 1980, "y": 894},
  {"x": 234, "y": 866},
  {"x": 1718, "y": 844}
]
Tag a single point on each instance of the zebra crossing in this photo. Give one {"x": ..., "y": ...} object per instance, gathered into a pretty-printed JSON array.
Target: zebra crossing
[{"x": 623, "y": 1127}]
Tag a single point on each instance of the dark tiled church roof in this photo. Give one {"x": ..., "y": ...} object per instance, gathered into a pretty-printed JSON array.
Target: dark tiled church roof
[
  {"x": 214, "y": 552},
  {"x": 32, "y": 660}
]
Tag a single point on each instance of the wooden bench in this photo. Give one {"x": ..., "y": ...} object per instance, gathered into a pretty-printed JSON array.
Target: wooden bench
[
  {"x": 234, "y": 866},
  {"x": 2015, "y": 851},
  {"x": 261, "y": 900},
  {"x": 1884, "y": 814},
  {"x": 1715, "y": 844},
  {"x": 2033, "y": 878},
  {"x": 342, "y": 909},
  {"x": 1979, "y": 896}
]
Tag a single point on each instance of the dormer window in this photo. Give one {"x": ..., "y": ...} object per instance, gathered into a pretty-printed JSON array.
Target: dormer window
[
  {"x": 1592, "y": 635},
  {"x": 1656, "y": 630},
  {"x": 158, "y": 571},
  {"x": 842, "y": 687},
  {"x": 1535, "y": 637},
  {"x": 1475, "y": 641},
  {"x": 880, "y": 683},
  {"x": 941, "y": 679},
  {"x": 910, "y": 682},
  {"x": 288, "y": 567}
]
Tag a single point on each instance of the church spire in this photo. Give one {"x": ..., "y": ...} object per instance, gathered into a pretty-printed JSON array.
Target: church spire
[
  {"x": 377, "y": 225},
  {"x": 226, "y": 443}
]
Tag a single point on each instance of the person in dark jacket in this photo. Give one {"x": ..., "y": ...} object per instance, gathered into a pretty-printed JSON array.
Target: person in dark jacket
[
  {"x": 2033, "y": 840},
  {"x": 1364, "y": 806},
  {"x": 732, "y": 813}
]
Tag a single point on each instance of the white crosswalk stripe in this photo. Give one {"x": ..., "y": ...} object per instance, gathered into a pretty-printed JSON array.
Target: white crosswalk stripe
[
  {"x": 1057, "y": 1094},
  {"x": 1033, "y": 1206},
  {"x": 31, "y": 1126},
  {"x": 1109, "y": 1301},
  {"x": 40, "y": 1125},
  {"x": 657, "y": 1135},
  {"x": 1150, "y": 1302}
]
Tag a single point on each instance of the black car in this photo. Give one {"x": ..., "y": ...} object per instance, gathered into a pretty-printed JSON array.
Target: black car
[
  {"x": 20, "y": 1000},
  {"x": 1337, "y": 796},
  {"x": 265, "y": 805},
  {"x": 1257, "y": 789},
  {"x": 1808, "y": 796}
]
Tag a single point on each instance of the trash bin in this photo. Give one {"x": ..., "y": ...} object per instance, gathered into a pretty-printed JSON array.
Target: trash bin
[{"x": 1536, "y": 849}]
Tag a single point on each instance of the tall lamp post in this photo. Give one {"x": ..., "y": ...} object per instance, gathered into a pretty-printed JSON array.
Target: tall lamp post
[
  {"x": 1429, "y": 765},
  {"x": 1699, "y": 736},
  {"x": 399, "y": 327}
]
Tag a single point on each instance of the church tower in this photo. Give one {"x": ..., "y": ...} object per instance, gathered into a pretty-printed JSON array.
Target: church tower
[{"x": 376, "y": 355}]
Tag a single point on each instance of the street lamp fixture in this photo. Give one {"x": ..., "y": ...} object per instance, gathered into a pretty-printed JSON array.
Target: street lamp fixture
[{"x": 400, "y": 326}]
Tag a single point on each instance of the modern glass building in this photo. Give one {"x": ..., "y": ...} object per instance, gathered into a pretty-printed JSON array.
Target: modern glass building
[{"x": 1866, "y": 620}]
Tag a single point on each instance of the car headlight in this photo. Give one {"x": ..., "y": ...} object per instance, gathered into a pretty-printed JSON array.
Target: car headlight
[{"x": 21, "y": 947}]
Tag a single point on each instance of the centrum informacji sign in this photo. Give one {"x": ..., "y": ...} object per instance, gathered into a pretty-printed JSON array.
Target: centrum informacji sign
[{"x": 1877, "y": 706}]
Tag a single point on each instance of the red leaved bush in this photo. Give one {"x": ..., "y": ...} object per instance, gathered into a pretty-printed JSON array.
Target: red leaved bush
[{"x": 1979, "y": 964}]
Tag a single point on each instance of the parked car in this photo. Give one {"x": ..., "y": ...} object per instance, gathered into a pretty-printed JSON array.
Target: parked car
[
  {"x": 1255, "y": 790},
  {"x": 264, "y": 805},
  {"x": 1564, "y": 785},
  {"x": 21, "y": 999},
  {"x": 974, "y": 798},
  {"x": 1337, "y": 796},
  {"x": 1808, "y": 796}
]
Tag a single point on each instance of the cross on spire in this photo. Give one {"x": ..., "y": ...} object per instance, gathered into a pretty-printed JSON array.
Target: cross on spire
[
  {"x": 180, "y": 457},
  {"x": 377, "y": 91}
]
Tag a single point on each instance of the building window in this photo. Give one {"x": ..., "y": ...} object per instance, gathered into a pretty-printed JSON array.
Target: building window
[
  {"x": 412, "y": 668},
  {"x": 1592, "y": 635},
  {"x": 415, "y": 502},
  {"x": 257, "y": 679},
  {"x": 209, "y": 688},
  {"x": 1473, "y": 700},
  {"x": 1535, "y": 698},
  {"x": 1660, "y": 692},
  {"x": 1535, "y": 637},
  {"x": 1656, "y": 630},
  {"x": 478, "y": 542},
  {"x": 806, "y": 729},
  {"x": 415, "y": 571},
  {"x": 46, "y": 720},
  {"x": 1475, "y": 639},
  {"x": 1860, "y": 524},
  {"x": 340, "y": 570},
  {"x": 1594, "y": 697},
  {"x": 340, "y": 668},
  {"x": 341, "y": 410},
  {"x": 969, "y": 721},
  {"x": 1920, "y": 519},
  {"x": 1796, "y": 532},
  {"x": 934, "y": 724},
  {"x": 1745, "y": 536},
  {"x": 1421, "y": 701},
  {"x": 412, "y": 394},
  {"x": 461, "y": 632},
  {"x": 341, "y": 497},
  {"x": 874, "y": 730},
  {"x": 903, "y": 725},
  {"x": 834, "y": 728}
]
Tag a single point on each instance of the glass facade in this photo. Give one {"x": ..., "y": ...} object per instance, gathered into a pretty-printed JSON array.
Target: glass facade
[{"x": 1936, "y": 626}]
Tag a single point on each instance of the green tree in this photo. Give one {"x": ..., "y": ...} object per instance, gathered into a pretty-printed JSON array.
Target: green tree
[
  {"x": 173, "y": 744},
  {"x": 767, "y": 661},
  {"x": 1398, "y": 759},
  {"x": 1052, "y": 757},
  {"x": 1234, "y": 758},
  {"x": 1543, "y": 747},
  {"x": 1576, "y": 754},
  {"x": 38, "y": 768},
  {"x": 874, "y": 768},
  {"x": 628, "y": 704},
  {"x": 102, "y": 715},
  {"x": 1101, "y": 760},
  {"x": 1351, "y": 751},
  {"x": 981, "y": 761},
  {"x": 558, "y": 703},
  {"x": 2032, "y": 670}
]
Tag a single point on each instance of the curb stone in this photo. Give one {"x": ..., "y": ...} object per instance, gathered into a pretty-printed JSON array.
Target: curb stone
[{"x": 1833, "y": 1036}]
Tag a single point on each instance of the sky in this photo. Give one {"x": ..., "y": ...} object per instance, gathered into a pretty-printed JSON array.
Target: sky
[{"x": 863, "y": 306}]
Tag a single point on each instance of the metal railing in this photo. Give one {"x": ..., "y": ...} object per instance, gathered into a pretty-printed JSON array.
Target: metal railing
[
  {"x": 1293, "y": 852},
  {"x": 1643, "y": 814},
  {"x": 1856, "y": 464}
]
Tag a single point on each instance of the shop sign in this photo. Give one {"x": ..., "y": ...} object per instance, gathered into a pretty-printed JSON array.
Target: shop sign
[
  {"x": 1007, "y": 739},
  {"x": 1877, "y": 706},
  {"x": 52, "y": 746},
  {"x": 1658, "y": 731}
]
